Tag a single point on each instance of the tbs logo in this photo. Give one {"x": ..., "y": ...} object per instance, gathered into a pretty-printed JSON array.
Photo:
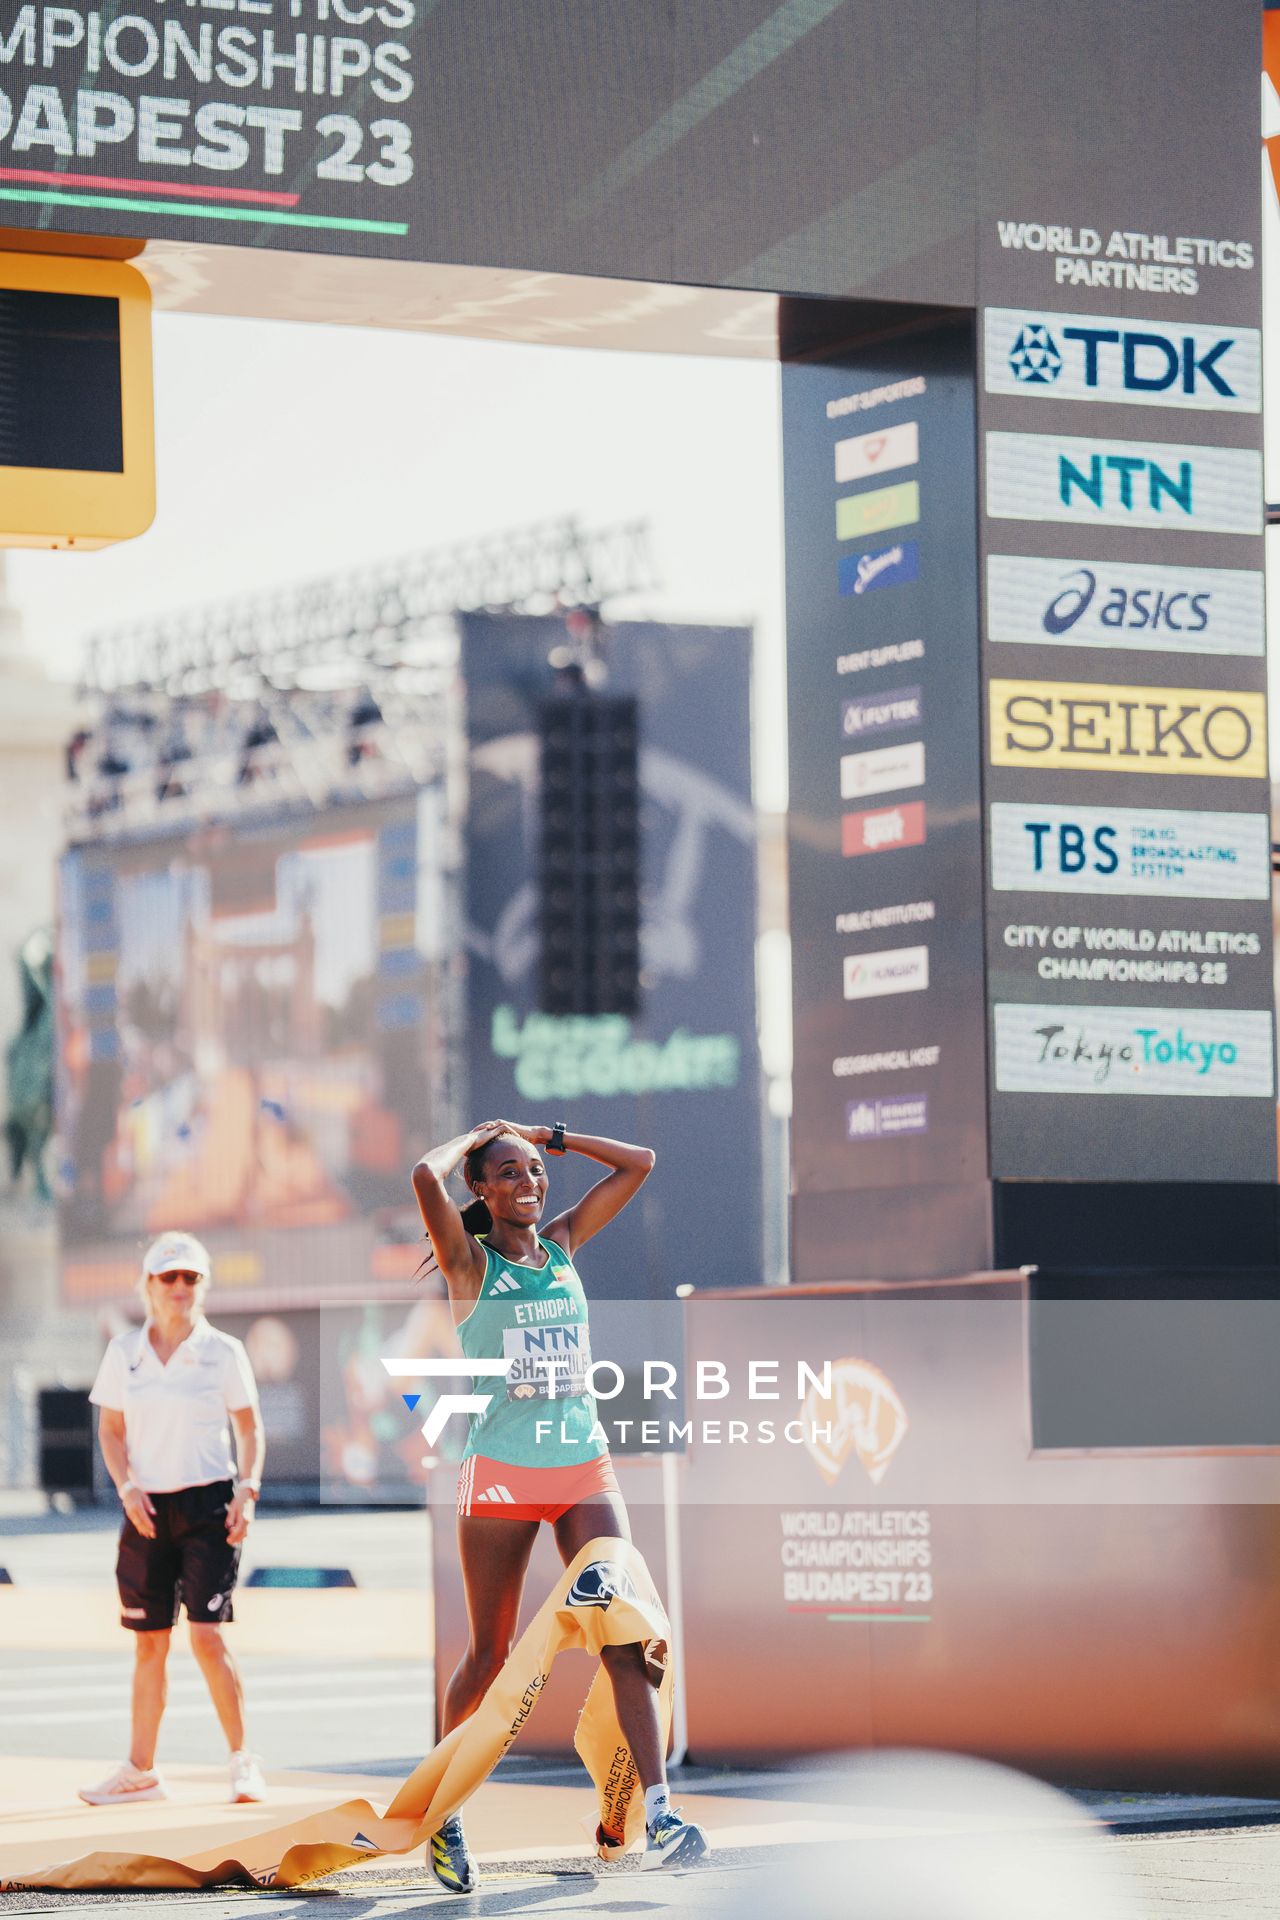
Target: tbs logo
[{"x": 1073, "y": 849}]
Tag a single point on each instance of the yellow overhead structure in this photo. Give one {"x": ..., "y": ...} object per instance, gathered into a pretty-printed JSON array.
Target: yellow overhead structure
[{"x": 77, "y": 431}]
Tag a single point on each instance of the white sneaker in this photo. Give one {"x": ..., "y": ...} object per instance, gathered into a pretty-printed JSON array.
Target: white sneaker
[
  {"x": 126, "y": 1783},
  {"x": 247, "y": 1782}
]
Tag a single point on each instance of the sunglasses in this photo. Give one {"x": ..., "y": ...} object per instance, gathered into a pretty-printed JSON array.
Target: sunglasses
[{"x": 168, "y": 1279}]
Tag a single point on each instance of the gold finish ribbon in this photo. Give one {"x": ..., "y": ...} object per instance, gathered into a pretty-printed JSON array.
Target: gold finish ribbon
[{"x": 605, "y": 1598}]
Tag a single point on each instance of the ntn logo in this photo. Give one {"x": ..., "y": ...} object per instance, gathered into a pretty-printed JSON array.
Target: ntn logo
[
  {"x": 1112, "y": 477},
  {"x": 1136, "y": 608}
]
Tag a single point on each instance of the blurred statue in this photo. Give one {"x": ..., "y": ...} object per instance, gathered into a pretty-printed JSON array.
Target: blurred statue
[{"x": 29, "y": 1063}]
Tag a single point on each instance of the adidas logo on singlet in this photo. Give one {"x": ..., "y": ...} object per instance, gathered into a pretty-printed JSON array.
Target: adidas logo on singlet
[
  {"x": 505, "y": 1283},
  {"x": 502, "y": 1495}
]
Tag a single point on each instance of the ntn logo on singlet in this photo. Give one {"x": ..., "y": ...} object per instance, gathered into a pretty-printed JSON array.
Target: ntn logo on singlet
[
  {"x": 865, "y": 1416},
  {"x": 547, "y": 1362}
]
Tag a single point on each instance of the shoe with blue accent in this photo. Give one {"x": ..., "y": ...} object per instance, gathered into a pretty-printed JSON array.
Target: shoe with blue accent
[
  {"x": 673, "y": 1842},
  {"x": 451, "y": 1858}
]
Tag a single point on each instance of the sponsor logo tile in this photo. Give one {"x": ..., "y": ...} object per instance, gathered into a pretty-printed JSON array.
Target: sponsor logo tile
[
  {"x": 1119, "y": 729},
  {"x": 875, "y": 512},
  {"x": 871, "y": 976},
  {"x": 1144, "y": 363},
  {"x": 887, "y": 1119},
  {"x": 881, "y": 712},
  {"x": 885, "y": 567},
  {"x": 882, "y": 829},
  {"x": 1124, "y": 483},
  {"x": 1188, "y": 1052},
  {"x": 1099, "y": 603},
  {"x": 882, "y": 770},
  {"x": 1130, "y": 851},
  {"x": 869, "y": 453}
]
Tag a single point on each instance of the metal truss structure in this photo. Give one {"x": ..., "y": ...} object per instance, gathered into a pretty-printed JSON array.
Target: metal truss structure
[
  {"x": 367, "y": 617},
  {"x": 340, "y": 689}
]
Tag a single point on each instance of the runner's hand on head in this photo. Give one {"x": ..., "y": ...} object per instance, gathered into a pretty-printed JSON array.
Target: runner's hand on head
[
  {"x": 536, "y": 1136},
  {"x": 141, "y": 1513}
]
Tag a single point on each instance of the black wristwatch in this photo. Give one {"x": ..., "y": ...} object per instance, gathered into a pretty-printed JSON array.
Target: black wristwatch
[{"x": 556, "y": 1143}]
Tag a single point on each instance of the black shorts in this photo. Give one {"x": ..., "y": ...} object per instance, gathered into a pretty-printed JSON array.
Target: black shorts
[{"x": 190, "y": 1561}]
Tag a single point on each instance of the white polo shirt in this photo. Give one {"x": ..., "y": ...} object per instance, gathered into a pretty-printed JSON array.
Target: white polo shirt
[{"x": 175, "y": 1413}]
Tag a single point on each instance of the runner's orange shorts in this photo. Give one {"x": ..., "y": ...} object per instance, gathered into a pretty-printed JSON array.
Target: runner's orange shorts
[{"x": 496, "y": 1488}]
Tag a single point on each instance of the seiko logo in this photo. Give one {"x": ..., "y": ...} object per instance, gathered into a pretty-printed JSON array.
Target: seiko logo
[{"x": 1186, "y": 730}]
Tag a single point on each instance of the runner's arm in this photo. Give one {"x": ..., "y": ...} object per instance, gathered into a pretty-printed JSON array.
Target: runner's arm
[
  {"x": 630, "y": 1168},
  {"x": 459, "y": 1258}
]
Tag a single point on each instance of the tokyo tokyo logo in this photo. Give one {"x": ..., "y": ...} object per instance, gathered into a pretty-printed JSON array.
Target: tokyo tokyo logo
[
  {"x": 863, "y": 1415},
  {"x": 1034, "y": 358}
]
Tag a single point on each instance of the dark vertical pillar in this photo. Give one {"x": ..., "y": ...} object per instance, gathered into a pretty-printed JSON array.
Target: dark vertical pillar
[{"x": 889, "y": 1128}]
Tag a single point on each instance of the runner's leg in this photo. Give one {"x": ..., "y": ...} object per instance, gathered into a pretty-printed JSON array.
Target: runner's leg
[
  {"x": 495, "y": 1558},
  {"x": 634, "y": 1694}
]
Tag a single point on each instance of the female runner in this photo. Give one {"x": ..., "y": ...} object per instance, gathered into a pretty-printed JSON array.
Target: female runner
[{"x": 504, "y": 1279}]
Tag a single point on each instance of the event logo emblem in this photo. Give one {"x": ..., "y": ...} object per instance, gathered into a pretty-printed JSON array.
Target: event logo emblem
[
  {"x": 865, "y": 1416},
  {"x": 1034, "y": 356},
  {"x": 600, "y": 1583}
]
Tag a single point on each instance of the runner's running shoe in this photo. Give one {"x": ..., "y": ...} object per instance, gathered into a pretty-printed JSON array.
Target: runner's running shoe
[
  {"x": 451, "y": 1858},
  {"x": 673, "y": 1842},
  {"x": 247, "y": 1782},
  {"x": 125, "y": 1784}
]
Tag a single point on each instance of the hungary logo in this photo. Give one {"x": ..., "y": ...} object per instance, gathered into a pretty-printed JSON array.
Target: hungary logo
[{"x": 1034, "y": 356}]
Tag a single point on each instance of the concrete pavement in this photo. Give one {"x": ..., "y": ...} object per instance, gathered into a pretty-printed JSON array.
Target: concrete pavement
[{"x": 340, "y": 1683}]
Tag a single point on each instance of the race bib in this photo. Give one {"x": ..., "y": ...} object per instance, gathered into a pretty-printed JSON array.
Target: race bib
[{"x": 546, "y": 1363}]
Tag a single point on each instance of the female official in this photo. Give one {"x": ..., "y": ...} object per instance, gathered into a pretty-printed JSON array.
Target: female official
[
  {"x": 165, "y": 1391},
  {"x": 530, "y": 1456}
]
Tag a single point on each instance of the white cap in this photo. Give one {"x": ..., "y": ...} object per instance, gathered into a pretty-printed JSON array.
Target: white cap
[{"x": 177, "y": 1253}]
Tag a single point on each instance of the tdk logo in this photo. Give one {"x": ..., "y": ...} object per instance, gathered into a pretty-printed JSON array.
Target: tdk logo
[
  {"x": 1034, "y": 358},
  {"x": 1077, "y": 356}
]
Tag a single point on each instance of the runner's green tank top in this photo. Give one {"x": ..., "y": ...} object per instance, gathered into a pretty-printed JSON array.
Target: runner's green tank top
[{"x": 535, "y": 1317}]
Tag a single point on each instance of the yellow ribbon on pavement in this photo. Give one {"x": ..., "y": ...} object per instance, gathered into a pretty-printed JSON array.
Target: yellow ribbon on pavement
[{"x": 605, "y": 1598}]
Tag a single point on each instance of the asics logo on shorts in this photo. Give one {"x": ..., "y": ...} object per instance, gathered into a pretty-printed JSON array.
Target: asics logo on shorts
[{"x": 600, "y": 1583}]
